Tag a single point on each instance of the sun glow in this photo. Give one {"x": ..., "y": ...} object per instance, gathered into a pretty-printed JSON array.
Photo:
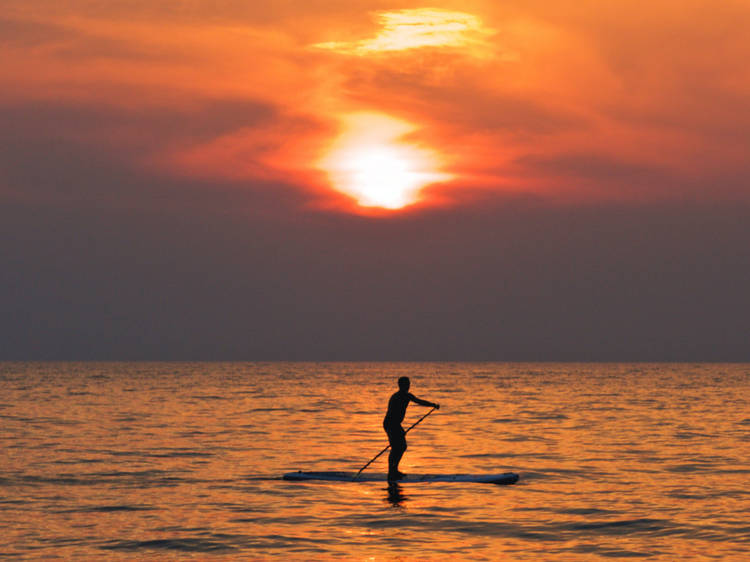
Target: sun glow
[{"x": 371, "y": 162}]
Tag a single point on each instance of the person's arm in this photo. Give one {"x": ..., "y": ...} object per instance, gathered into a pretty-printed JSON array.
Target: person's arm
[{"x": 424, "y": 402}]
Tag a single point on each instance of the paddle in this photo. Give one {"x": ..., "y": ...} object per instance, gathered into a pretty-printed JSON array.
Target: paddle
[{"x": 389, "y": 445}]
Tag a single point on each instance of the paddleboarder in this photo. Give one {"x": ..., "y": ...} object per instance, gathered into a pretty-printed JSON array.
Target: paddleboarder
[{"x": 392, "y": 424}]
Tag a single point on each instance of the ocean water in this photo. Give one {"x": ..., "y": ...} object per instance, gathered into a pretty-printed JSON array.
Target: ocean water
[{"x": 167, "y": 461}]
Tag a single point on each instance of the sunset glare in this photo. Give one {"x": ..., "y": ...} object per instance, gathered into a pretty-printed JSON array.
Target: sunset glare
[{"x": 372, "y": 163}]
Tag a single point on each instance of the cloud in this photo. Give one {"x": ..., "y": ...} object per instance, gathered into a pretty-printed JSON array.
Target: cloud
[
  {"x": 599, "y": 167},
  {"x": 94, "y": 154},
  {"x": 234, "y": 93},
  {"x": 30, "y": 34},
  {"x": 178, "y": 272},
  {"x": 418, "y": 28}
]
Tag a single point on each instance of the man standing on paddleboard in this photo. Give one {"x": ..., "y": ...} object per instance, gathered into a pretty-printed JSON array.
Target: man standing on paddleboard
[{"x": 392, "y": 424}]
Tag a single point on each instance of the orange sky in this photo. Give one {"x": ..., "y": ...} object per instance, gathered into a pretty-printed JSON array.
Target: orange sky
[
  {"x": 516, "y": 180},
  {"x": 580, "y": 100}
]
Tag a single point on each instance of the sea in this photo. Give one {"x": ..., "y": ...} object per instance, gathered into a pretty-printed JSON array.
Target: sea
[{"x": 176, "y": 461}]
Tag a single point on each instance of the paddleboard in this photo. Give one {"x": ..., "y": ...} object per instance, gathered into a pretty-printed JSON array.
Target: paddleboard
[{"x": 503, "y": 478}]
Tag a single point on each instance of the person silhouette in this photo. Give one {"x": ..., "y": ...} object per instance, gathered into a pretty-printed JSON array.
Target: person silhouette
[{"x": 392, "y": 424}]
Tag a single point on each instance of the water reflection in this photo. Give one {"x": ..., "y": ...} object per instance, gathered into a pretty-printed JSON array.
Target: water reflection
[
  {"x": 396, "y": 496},
  {"x": 177, "y": 460}
]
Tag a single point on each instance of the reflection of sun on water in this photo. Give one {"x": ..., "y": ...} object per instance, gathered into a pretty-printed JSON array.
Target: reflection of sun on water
[{"x": 370, "y": 162}]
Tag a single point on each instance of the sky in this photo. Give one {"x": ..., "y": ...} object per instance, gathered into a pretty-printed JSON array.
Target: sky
[{"x": 323, "y": 180}]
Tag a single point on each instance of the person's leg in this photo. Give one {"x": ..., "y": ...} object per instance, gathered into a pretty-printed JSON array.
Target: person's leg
[
  {"x": 392, "y": 434},
  {"x": 394, "y": 457},
  {"x": 397, "y": 439}
]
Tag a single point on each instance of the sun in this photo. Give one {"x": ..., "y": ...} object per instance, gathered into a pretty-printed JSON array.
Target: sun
[
  {"x": 386, "y": 176},
  {"x": 371, "y": 163}
]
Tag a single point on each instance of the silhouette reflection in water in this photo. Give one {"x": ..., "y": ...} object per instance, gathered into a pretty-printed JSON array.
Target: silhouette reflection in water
[{"x": 396, "y": 495}]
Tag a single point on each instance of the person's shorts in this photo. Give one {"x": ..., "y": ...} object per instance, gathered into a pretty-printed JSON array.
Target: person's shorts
[{"x": 396, "y": 435}]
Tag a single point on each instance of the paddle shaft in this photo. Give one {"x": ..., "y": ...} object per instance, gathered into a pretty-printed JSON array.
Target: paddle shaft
[{"x": 389, "y": 445}]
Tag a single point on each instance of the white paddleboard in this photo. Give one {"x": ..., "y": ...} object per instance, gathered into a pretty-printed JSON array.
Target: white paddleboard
[{"x": 503, "y": 478}]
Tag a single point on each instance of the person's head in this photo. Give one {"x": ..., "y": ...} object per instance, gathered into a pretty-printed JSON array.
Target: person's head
[{"x": 404, "y": 383}]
